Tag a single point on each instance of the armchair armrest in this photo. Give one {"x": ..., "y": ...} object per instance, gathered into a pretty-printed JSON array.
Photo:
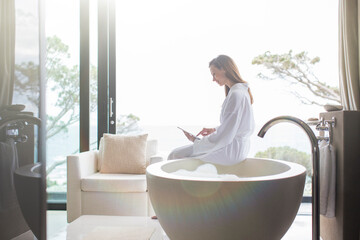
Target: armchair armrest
[
  {"x": 85, "y": 163},
  {"x": 156, "y": 159},
  {"x": 78, "y": 166}
]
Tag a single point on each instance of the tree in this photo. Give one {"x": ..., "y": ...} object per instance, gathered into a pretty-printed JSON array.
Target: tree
[
  {"x": 63, "y": 80},
  {"x": 298, "y": 69},
  {"x": 27, "y": 81},
  {"x": 288, "y": 154},
  {"x": 127, "y": 123}
]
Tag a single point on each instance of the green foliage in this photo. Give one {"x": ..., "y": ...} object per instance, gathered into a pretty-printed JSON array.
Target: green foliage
[
  {"x": 298, "y": 69},
  {"x": 53, "y": 186},
  {"x": 64, "y": 83},
  {"x": 63, "y": 80},
  {"x": 127, "y": 123},
  {"x": 288, "y": 154},
  {"x": 286, "y": 61},
  {"x": 50, "y": 183},
  {"x": 27, "y": 81}
]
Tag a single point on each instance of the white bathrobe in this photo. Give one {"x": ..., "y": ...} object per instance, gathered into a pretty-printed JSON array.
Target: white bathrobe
[{"x": 230, "y": 143}]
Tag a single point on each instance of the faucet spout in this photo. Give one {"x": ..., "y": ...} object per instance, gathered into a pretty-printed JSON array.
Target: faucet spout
[{"x": 315, "y": 165}]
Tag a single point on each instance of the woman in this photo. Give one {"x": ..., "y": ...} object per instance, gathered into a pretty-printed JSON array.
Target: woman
[{"x": 229, "y": 143}]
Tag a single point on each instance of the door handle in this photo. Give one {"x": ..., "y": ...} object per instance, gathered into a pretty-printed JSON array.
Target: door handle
[{"x": 111, "y": 106}]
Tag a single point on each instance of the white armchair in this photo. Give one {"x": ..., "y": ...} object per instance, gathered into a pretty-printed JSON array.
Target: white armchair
[{"x": 90, "y": 192}]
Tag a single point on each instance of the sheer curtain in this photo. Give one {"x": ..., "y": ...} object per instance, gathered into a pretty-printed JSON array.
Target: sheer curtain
[
  {"x": 7, "y": 50},
  {"x": 349, "y": 54}
]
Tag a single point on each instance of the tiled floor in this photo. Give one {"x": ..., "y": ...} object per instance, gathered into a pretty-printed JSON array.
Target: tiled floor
[
  {"x": 57, "y": 227},
  {"x": 56, "y": 222}
]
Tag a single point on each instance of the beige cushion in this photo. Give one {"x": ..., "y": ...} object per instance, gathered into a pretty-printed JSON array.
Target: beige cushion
[
  {"x": 151, "y": 150},
  {"x": 99, "y": 182},
  {"x": 124, "y": 154}
]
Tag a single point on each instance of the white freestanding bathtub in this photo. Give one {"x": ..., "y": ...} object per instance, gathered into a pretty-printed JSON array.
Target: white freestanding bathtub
[{"x": 261, "y": 204}]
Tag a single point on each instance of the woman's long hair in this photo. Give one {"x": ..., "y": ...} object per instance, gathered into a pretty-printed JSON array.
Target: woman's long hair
[{"x": 231, "y": 71}]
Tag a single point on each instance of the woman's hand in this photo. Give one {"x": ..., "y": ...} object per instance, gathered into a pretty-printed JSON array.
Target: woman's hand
[{"x": 206, "y": 131}]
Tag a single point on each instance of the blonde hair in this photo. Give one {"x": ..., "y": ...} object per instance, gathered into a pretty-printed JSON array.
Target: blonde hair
[{"x": 231, "y": 71}]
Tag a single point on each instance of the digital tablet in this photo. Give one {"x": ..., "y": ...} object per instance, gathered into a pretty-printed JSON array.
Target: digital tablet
[{"x": 193, "y": 135}]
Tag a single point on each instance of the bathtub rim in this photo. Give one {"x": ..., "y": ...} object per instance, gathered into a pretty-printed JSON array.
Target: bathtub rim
[{"x": 295, "y": 169}]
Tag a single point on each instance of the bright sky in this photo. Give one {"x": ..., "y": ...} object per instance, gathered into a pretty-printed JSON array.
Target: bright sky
[{"x": 163, "y": 50}]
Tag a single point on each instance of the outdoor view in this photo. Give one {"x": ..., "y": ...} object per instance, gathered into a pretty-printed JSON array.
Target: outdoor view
[
  {"x": 26, "y": 85},
  {"x": 287, "y": 51}
]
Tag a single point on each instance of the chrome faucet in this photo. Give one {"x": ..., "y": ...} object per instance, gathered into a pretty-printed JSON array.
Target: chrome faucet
[
  {"x": 19, "y": 118},
  {"x": 315, "y": 165}
]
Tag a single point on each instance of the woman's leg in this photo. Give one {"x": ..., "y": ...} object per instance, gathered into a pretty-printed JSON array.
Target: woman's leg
[{"x": 181, "y": 152}]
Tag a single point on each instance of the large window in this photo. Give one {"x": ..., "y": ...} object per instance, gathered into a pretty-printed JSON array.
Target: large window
[
  {"x": 27, "y": 79},
  {"x": 63, "y": 89},
  {"x": 163, "y": 80},
  {"x": 93, "y": 31},
  {"x": 62, "y": 65}
]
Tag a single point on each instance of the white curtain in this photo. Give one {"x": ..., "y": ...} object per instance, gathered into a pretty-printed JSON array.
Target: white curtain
[
  {"x": 7, "y": 50},
  {"x": 349, "y": 54}
]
